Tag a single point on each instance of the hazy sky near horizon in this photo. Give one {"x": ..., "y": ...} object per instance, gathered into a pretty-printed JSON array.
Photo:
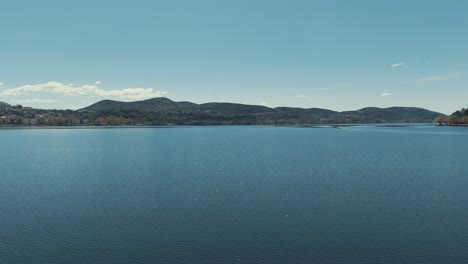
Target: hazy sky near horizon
[{"x": 340, "y": 55}]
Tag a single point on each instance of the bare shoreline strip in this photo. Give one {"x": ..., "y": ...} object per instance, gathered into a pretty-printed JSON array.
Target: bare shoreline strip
[{"x": 187, "y": 126}]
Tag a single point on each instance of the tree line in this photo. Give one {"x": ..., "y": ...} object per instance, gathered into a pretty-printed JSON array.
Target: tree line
[{"x": 458, "y": 118}]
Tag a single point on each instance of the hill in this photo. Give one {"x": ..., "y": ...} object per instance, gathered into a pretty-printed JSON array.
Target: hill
[
  {"x": 163, "y": 111},
  {"x": 159, "y": 103}
]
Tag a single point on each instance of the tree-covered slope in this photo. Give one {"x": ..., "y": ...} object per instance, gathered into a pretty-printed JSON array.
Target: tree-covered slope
[{"x": 160, "y": 111}]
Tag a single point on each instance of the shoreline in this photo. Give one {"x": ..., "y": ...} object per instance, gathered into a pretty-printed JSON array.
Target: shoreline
[{"x": 188, "y": 126}]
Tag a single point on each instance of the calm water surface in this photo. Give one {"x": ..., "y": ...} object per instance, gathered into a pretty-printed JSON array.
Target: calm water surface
[{"x": 234, "y": 195}]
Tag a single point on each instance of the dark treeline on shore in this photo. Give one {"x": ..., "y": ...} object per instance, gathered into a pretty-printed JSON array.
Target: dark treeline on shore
[{"x": 163, "y": 112}]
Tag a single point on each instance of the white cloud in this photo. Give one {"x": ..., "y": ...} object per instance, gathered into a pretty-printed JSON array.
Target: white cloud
[
  {"x": 35, "y": 100},
  {"x": 386, "y": 94},
  {"x": 435, "y": 78},
  {"x": 1, "y": 83},
  {"x": 399, "y": 65},
  {"x": 300, "y": 96},
  {"x": 97, "y": 82},
  {"x": 84, "y": 90}
]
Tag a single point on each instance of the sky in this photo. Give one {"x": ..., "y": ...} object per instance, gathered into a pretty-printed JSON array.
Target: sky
[{"x": 340, "y": 55}]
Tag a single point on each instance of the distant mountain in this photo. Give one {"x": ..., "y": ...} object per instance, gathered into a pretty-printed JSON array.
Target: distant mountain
[
  {"x": 406, "y": 114},
  {"x": 163, "y": 111},
  {"x": 159, "y": 103}
]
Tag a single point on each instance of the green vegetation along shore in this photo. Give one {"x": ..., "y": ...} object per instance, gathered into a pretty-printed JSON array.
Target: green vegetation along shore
[{"x": 165, "y": 112}]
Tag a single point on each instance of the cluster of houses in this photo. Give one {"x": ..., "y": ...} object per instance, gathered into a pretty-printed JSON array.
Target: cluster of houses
[
  {"x": 18, "y": 120},
  {"x": 26, "y": 116},
  {"x": 15, "y": 115}
]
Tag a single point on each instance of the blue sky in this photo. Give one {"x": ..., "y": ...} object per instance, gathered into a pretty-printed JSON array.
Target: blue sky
[{"x": 341, "y": 55}]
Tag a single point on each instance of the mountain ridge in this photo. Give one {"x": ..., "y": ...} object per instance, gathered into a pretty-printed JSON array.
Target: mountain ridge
[
  {"x": 162, "y": 103},
  {"x": 162, "y": 109}
]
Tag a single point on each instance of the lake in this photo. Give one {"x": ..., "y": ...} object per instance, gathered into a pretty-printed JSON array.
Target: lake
[{"x": 234, "y": 195}]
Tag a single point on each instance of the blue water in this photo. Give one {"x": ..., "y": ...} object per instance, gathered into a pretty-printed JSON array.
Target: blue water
[{"x": 234, "y": 195}]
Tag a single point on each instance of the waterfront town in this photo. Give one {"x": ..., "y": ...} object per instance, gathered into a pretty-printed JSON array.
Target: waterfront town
[{"x": 17, "y": 115}]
